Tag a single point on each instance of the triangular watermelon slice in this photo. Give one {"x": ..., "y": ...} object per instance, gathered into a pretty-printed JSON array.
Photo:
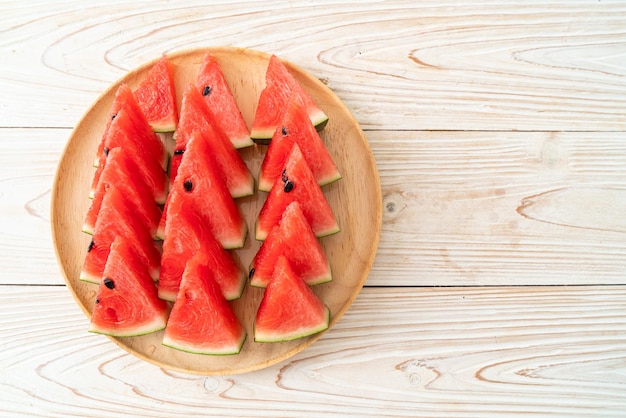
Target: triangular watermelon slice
[
  {"x": 279, "y": 85},
  {"x": 122, "y": 95},
  {"x": 187, "y": 233},
  {"x": 201, "y": 320},
  {"x": 289, "y": 308},
  {"x": 117, "y": 218},
  {"x": 121, "y": 171},
  {"x": 200, "y": 180},
  {"x": 212, "y": 84},
  {"x": 127, "y": 303},
  {"x": 196, "y": 116},
  {"x": 156, "y": 96},
  {"x": 296, "y": 127},
  {"x": 147, "y": 150},
  {"x": 297, "y": 184},
  {"x": 294, "y": 239},
  {"x": 133, "y": 128}
]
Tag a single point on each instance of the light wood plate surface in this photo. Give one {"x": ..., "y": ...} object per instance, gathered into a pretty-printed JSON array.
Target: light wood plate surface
[{"x": 355, "y": 199}]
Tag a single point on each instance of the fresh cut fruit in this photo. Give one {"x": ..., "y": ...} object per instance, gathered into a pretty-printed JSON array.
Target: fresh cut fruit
[
  {"x": 200, "y": 180},
  {"x": 294, "y": 239},
  {"x": 197, "y": 117},
  {"x": 156, "y": 95},
  {"x": 296, "y": 184},
  {"x": 289, "y": 308},
  {"x": 126, "y": 302},
  {"x": 296, "y": 127},
  {"x": 121, "y": 171},
  {"x": 131, "y": 130},
  {"x": 212, "y": 84},
  {"x": 201, "y": 320},
  {"x": 147, "y": 151},
  {"x": 187, "y": 232},
  {"x": 117, "y": 217},
  {"x": 279, "y": 86}
]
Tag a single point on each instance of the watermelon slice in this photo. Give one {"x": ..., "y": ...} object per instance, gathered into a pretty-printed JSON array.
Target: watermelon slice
[
  {"x": 122, "y": 95},
  {"x": 127, "y": 303},
  {"x": 148, "y": 152},
  {"x": 201, "y": 320},
  {"x": 132, "y": 129},
  {"x": 121, "y": 171},
  {"x": 200, "y": 180},
  {"x": 187, "y": 232},
  {"x": 297, "y": 184},
  {"x": 296, "y": 127},
  {"x": 289, "y": 308},
  {"x": 156, "y": 96},
  {"x": 212, "y": 84},
  {"x": 280, "y": 85},
  {"x": 294, "y": 239},
  {"x": 117, "y": 217},
  {"x": 196, "y": 116}
]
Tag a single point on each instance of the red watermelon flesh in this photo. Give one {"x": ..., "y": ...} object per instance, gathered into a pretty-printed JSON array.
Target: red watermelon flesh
[
  {"x": 127, "y": 303},
  {"x": 289, "y": 308},
  {"x": 145, "y": 152},
  {"x": 296, "y": 127},
  {"x": 294, "y": 239},
  {"x": 156, "y": 95},
  {"x": 187, "y": 233},
  {"x": 212, "y": 84},
  {"x": 201, "y": 320},
  {"x": 134, "y": 129},
  {"x": 196, "y": 116},
  {"x": 200, "y": 180},
  {"x": 122, "y": 95},
  {"x": 117, "y": 218},
  {"x": 118, "y": 171},
  {"x": 279, "y": 86},
  {"x": 297, "y": 185}
]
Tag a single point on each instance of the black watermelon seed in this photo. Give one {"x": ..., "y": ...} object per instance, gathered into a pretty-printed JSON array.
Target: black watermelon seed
[
  {"x": 113, "y": 116},
  {"x": 251, "y": 273},
  {"x": 288, "y": 186},
  {"x": 284, "y": 176},
  {"x": 109, "y": 283},
  {"x": 284, "y": 131},
  {"x": 179, "y": 151},
  {"x": 106, "y": 151},
  {"x": 97, "y": 300},
  {"x": 91, "y": 245},
  {"x": 188, "y": 185},
  {"x": 206, "y": 91}
]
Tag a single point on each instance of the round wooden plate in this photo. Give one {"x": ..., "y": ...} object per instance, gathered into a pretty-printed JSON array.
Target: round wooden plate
[{"x": 355, "y": 199}]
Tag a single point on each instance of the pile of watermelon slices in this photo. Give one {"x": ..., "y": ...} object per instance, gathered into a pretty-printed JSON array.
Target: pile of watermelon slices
[{"x": 165, "y": 227}]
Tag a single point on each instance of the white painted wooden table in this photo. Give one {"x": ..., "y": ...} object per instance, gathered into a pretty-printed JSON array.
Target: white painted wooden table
[{"x": 499, "y": 129}]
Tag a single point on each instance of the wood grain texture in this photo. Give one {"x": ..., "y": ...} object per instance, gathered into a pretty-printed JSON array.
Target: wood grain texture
[
  {"x": 501, "y": 208},
  {"x": 427, "y": 352},
  {"x": 428, "y": 65},
  {"x": 28, "y": 160}
]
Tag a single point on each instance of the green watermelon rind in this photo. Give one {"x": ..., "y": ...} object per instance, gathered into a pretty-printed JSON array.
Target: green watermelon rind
[
  {"x": 158, "y": 324},
  {"x": 261, "y": 282},
  {"x": 90, "y": 278},
  {"x": 260, "y": 235},
  {"x": 171, "y": 296},
  {"x": 265, "y": 185},
  {"x": 263, "y": 136},
  {"x": 262, "y": 337},
  {"x": 181, "y": 346}
]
